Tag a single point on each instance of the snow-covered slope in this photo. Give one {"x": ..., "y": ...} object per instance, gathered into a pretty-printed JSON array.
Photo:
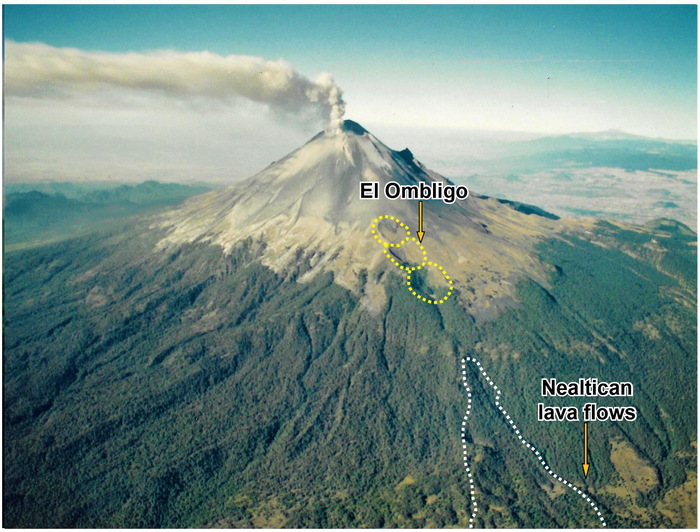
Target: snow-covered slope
[{"x": 308, "y": 203}]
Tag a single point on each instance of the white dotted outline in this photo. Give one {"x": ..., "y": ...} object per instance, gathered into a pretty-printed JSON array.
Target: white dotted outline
[
  {"x": 464, "y": 446},
  {"x": 513, "y": 426}
]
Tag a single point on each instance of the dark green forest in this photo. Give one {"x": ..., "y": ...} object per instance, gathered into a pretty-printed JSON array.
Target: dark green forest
[{"x": 185, "y": 387}]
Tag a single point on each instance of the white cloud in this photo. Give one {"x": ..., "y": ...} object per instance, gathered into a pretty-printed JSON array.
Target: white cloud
[{"x": 39, "y": 71}]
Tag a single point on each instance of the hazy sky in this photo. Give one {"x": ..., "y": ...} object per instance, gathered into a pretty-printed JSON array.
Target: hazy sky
[{"x": 545, "y": 69}]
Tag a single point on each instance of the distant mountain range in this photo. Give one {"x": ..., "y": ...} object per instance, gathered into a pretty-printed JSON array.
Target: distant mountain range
[
  {"x": 608, "y": 149},
  {"x": 618, "y": 134},
  {"x": 36, "y": 213},
  {"x": 610, "y": 174},
  {"x": 148, "y": 192}
]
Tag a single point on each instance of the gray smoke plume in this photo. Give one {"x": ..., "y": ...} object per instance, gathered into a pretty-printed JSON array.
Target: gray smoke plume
[{"x": 39, "y": 71}]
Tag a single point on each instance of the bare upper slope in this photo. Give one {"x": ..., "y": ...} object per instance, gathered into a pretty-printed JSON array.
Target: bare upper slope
[{"x": 309, "y": 201}]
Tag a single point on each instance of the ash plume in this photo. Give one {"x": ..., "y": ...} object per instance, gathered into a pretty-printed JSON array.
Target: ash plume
[{"x": 36, "y": 70}]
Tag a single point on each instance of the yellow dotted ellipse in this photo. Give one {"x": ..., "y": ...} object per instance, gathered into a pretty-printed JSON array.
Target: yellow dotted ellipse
[{"x": 405, "y": 267}]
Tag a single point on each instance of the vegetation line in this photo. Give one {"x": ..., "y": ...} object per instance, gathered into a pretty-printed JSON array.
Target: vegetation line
[{"x": 409, "y": 270}]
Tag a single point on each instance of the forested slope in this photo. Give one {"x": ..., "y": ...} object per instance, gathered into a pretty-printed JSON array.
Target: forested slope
[{"x": 193, "y": 388}]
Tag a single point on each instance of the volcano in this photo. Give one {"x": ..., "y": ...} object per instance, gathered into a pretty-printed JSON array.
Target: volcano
[
  {"x": 252, "y": 358},
  {"x": 308, "y": 203}
]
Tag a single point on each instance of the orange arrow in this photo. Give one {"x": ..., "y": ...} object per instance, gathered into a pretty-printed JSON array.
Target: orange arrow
[
  {"x": 420, "y": 231},
  {"x": 586, "y": 465}
]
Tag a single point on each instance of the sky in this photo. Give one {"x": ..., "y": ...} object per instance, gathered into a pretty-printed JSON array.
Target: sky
[{"x": 531, "y": 69}]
